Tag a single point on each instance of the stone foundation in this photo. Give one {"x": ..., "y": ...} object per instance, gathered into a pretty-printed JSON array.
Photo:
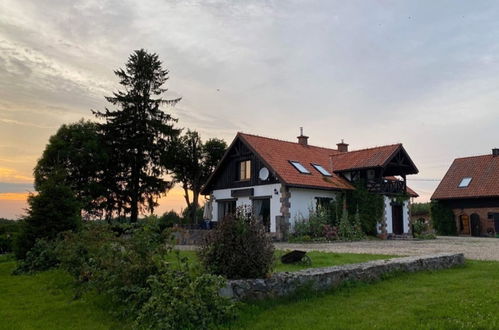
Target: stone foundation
[
  {"x": 283, "y": 284},
  {"x": 190, "y": 236}
]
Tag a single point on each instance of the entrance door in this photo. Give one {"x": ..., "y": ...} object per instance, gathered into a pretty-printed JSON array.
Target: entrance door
[
  {"x": 496, "y": 222},
  {"x": 397, "y": 219},
  {"x": 465, "y": 224},
  {"x": 475, "y": 224},
  {"x": 261, "y": 210}
]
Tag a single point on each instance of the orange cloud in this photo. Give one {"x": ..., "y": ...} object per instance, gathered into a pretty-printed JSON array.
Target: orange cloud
[
  {"x": 14, "y": 196},
  {"x": 13, "y": 176}
]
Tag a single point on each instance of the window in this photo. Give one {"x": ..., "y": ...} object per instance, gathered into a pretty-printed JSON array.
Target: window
[
  {"x": 323, "y": 203},
  {"x": 245, "y": 170},
  {"x": 226, "y": 208},
  {"x": 465, "y": 182},
  {"x": 299, "y": 167},
  {"x": 371, "y": 174},
  {"x": 321, "y": 169}
]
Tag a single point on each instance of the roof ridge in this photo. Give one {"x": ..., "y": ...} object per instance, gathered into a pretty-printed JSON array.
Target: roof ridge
[
  {"x": 370, "y": 148},
  {"x": 466, "y": 157},
  {"x": 274, "y": 139}
]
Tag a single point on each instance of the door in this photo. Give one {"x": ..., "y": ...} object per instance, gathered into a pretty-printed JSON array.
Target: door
[
  {"x": 261, "y": 210},
  {"x": 496, "y": 222},
  {"x": 475, "y": 225},
  {"x": 464, "y": 221},
  {"x": 397, "y": 219}
]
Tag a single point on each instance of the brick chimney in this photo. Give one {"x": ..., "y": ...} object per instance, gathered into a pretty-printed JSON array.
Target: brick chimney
[
  {"x": 495, "y": 152},
  {"x": 343, "y": 147},
  {"x": 302, "y": 139}
]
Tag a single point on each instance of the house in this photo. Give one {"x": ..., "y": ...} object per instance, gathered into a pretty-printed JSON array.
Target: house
[
  {"x": 470, "y": 188},
  {"x": 282, "y": 181}
]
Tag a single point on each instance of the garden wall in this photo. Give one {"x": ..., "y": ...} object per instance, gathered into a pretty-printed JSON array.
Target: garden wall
[{"x": 282, "y": 284}]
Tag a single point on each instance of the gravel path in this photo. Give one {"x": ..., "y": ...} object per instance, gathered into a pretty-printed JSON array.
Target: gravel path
[{"x": 472, "y": 247}]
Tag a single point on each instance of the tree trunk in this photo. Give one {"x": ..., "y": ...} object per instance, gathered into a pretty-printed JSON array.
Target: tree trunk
[{"x": 194, "y": 206}]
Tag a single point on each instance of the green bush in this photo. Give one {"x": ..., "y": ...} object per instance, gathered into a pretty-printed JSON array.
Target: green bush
[
  {"x": 350, "y": 228},
  {"x": 55, "y": 209},
  {"x": 369, "y": 207},
  {"x": 41, "y": 257},
  {"x": 238, "y": 248},
  {"x": 134, "y": 271},
  {"x": 9, "y": 230},
  {"x": 179, "y": 299},
  {"x": 442, "y": 219},
  {"x": 169, "y": 219}
]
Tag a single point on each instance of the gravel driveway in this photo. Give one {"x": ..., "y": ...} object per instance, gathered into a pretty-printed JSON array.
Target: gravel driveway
[{"x": 472, "y": 247}]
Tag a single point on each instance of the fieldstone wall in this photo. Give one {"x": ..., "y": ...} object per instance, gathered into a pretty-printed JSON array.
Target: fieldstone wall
[
  {"x": 283, "y": 284},
  {"x": 190, "y": 236}
]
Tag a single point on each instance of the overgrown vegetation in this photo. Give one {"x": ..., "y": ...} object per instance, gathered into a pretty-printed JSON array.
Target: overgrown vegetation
[
  {"x": 442, "y": 219},
  {"x": 9, "y": 230},
  {"x": 238, "y": 248},
  {"x": 349, "y": 216},
  {"x": 133, "y": 267}
]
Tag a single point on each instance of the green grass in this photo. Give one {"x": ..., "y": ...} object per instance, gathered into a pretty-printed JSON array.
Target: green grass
[
  {"x": 464, "y": 297},
  {"x": 459, "y": 298},
  {"x": 45, "y": 301},
  {"x": 319, "y": 259}
]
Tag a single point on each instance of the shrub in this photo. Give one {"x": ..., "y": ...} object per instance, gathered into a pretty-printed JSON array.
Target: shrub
[
  {"x": 41, "y": 257},
  {"x": 55, "y": 209},
  {"x": 442, "y": 219},
  {"x": 169, "y": 219},
  {"x": 179, "y": 299},
  {"x": 9, "y": 230},
  {"x": 349, "y": 228},
  {"x": 368, "y": 205},
  {"x": 144, "y": 287},
  {"x": 238, "y": 248}
]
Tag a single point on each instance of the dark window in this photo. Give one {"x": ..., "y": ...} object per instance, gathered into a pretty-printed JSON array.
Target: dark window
[
  {"x": 226, "y": 208},
  {"x": 323, "y": 202},
  {"x": 245, "y": 170}
]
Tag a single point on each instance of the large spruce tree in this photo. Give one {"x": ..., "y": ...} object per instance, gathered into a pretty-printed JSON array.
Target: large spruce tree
[{"x": 137, "y": 132}]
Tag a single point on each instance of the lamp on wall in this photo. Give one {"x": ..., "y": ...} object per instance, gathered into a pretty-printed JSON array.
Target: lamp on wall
[{"x": 276, "y": 192}]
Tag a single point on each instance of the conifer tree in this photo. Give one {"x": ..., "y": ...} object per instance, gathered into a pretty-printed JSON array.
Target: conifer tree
[{"x": 137, "y": 132}]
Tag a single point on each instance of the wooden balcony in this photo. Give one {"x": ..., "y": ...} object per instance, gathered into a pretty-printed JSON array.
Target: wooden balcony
[{"x": 388, "y": 187}]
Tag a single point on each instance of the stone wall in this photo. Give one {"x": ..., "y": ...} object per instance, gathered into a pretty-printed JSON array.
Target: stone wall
[
  {"x": 190, "y": 236},
  {"x": 283, "y": 284}
]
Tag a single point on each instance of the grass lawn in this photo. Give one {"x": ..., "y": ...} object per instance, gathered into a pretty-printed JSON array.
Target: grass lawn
[
  {"x": 464, "y": 297},
  {"x": 319, "y": 259}
]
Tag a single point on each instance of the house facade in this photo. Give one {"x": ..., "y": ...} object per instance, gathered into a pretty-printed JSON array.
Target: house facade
[
  {"x": 470, "y": 188},
  {"x": 282, "y": 181}
]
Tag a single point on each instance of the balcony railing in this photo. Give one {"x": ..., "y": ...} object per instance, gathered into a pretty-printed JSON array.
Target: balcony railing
[{"x": 386, "y": 186}]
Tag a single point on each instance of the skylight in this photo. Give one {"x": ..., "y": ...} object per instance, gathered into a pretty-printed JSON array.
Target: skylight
[
  {"x": 321, "y": 169},
  {"x": 299, "y": 167},
  {"x": 465, "y": 182}
]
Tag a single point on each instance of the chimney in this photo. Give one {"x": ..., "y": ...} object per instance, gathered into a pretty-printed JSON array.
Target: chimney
[
  {"x": 495, "y": 152},
  {"x": 302, "y": 139},
  {"x": 343, "y": 147}
]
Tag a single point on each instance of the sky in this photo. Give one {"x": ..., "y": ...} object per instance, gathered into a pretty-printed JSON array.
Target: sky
[{"x": 423, "y": 73}]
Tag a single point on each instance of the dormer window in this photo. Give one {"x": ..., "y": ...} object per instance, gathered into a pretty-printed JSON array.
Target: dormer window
[
  {"x": 465, "y": 182},
  {"x": 299, "y": 167},
  {"x": 321, "y": 170},
  {"x": 245, "y": 170}
]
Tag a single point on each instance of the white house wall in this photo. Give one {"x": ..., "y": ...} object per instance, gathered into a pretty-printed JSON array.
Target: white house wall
[
  {"x": 258, "y": 191},
  {"x": 303, "y": 200}
]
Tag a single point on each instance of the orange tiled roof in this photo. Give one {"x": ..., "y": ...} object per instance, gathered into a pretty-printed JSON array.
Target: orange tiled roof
[
  {"x": 484, "y": 174},
  {"x": 364, "y": 158},
  {"x": 278, "y": 153}
]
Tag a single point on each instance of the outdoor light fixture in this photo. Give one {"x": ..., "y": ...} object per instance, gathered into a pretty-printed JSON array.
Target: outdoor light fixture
[{"x": 276, "y": 192}]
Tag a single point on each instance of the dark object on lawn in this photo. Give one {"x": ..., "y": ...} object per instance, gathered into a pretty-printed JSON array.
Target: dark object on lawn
[{"x": 296, "y": 256}]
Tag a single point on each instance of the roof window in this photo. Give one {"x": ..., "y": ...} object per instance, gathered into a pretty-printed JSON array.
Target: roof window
[
  {"x": 321, "y": 169},
  {"x": 465, "y": 182},
  {"x": 299, "y": 167}
]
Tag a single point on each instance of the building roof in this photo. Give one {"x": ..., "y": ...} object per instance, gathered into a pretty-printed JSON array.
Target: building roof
[
  {"x": 278, "y": 153},
  {"x": 365, "y": 158},
  {"x": 484, "y": 174}
]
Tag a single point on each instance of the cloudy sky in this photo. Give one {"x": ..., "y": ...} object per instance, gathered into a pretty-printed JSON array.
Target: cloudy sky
[{"x": 424, "y": 73}]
